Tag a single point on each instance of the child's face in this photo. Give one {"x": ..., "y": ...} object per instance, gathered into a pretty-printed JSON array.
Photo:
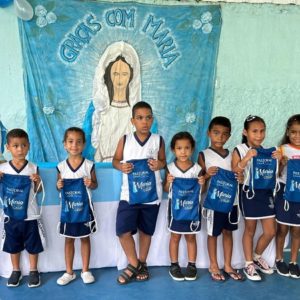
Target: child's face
[
  {"x": 218, "y": 136},
  {"x": 142, "y": 120},
  {"x": 18, "y": 147},
  {"x": 255, "y": 133},
  {"x": 74, "y": 143},
  {"x": 294, "y": 134},
  {"x": 183, "y": 150}
]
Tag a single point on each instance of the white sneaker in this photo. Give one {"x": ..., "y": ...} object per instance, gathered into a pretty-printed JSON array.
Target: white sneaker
[
  {"x": 87, "y": 277},
  {"x": 251, "y": 273},
  {"x": 66, "y": 279}
]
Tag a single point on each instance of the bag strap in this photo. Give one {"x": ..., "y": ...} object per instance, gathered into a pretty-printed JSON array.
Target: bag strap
[
  {"x": 238, "y": 210},
  {"x": 249, "y": 176}
]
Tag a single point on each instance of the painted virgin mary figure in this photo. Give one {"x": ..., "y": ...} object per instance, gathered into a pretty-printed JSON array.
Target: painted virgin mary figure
[{"x": 116, "y": 88}]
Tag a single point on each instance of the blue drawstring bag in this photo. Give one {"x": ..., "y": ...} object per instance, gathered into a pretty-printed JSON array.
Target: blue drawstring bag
[
  {"x": 185, "y": 199},
  {"x": 292, "y": 187},
  {"x": 14, "y": 192},
  {"x": 263, "y": 173},
  {"x": 75, "y": 206},
  {"x": 141, "y": 183},
  {"x": 221, "y": 192}
]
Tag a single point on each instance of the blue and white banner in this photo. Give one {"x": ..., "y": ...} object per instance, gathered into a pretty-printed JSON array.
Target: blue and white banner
[
  {"x": 141, "y": 183},
  {"x": 292, "y": 188},
  {"x": 88, "y": 62},
  {"x": 14, "y": 194},
  {"x": 221, "y": 192},
  {"x": 185, "y": 199}
]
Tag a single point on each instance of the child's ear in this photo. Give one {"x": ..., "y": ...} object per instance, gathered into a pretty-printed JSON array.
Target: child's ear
[{"x": 244, "y": 132}]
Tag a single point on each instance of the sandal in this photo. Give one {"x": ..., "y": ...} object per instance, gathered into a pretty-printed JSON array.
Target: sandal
[
  {"x": 235, "y": 275},
  {"x": 143, "y": 272},
  {"x": 128, "y": 278},
  {"x": 217, "y": 276}
]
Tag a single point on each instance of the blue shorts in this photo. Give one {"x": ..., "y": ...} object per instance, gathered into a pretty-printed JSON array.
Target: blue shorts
[
  {"x": 217, "y": 221},
  {"x": 131, "y": 218},
  {"x": 19, "y": 235},
  {"x": 286, "y": 213},
  {"x": 183, "y": 227},
  {"x": 77, "y": 230},
  {"x": 261, "y": 206}
]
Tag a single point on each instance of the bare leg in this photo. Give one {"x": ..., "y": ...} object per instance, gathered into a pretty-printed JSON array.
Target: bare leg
[
  {"x": 250, "y": 227},
  {"x": 15, "y": 261},
  {"x": 269, "y": 231},
  {"x": 69, "y": 254},
  {"x": 295, "y": 243},
  {"x": 281, "y": 233},
  {"x": 191, "y": 247},
  {"x": 227, "y": 247},
  {"x": 212, "y": 252},
  {"x": 144, "y": 242},
  {"x": 174, "y": 246},
  {"x": 33, "y": 260},
  {"x": 85, "y": 253}
]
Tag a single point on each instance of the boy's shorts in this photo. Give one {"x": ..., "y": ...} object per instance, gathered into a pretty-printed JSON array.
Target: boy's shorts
[
  {"x": 131, "y": 218},
  {"x": 19, "y": 235},
  {"x": 217, "y": 221},
  {"x": 77, "y": 230}
]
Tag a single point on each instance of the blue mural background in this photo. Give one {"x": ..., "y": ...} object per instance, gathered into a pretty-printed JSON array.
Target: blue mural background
[{"x": 177, "y": 48}]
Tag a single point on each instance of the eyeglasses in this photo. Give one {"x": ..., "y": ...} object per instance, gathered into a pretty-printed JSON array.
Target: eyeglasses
[{"x": 251, "y": 118}]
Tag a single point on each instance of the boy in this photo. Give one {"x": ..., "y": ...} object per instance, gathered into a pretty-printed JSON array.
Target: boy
[
  {"x": 217, "y": 222},
  {"x": 23, "y": 232},
  {"x": 140, "y": 145}
]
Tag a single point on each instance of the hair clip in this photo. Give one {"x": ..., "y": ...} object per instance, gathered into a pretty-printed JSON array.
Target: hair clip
[{"x": 250, "y": 118}]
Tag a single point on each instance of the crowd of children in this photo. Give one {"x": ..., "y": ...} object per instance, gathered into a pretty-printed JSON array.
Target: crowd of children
[{"x": 260, "y": 184}]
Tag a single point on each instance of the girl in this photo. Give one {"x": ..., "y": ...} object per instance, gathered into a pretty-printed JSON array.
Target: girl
[
  {"x": 72, "y": 224},
  {"x": 182, "y": 145},
  {"x": 261, "y": 206},
  {"x": 287, "y": 217}
]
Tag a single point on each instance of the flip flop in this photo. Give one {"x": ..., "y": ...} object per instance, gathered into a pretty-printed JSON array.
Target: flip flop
[
  {"x": 235, "y": 275},
  {"x": 217, "y": 276}
]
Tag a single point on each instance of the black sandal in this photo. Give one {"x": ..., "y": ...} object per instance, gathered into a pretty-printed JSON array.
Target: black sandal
[
  {"x": 128, "y": 278},
  {"x": 143, "y": 272}
]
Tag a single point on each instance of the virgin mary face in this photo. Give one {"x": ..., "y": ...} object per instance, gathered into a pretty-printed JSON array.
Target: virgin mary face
[{"x": 120, "y": 75}]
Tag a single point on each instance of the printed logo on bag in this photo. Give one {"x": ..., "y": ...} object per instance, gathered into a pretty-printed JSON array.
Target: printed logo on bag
[
  {"x": 295, "y": 182},
  {"x": 14, "y": 202},
  {"x": 139, "y": 185},
  {"x": 262, "y": 170},
  {"x": 184, "y": 204},
  {"x": 75, "y": 202},
  {"x": 221, "y": 194}
]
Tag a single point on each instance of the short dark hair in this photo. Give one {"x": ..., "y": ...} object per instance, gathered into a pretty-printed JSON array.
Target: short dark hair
[
  {"x": 183, "y": 135},
  {"x": 140, "y": 104},
  {"x": 248, "y": 121},
  {"x": 16, "y": 133},
  {"x": 222, "y": 121},
  {"x": 75, "y": 129}
]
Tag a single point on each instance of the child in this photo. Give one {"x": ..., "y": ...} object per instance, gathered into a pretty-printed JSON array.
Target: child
[
  {"x": 219, "y": 222},
  {"x": 83, "y": 224},
  {"x": 21, "y": 231},
  {"x": 182, "y": 145},
  {"x": 288, "y": 217},
  {"x": 138, "y": 213},
  {"x": 261, "y": 206}
]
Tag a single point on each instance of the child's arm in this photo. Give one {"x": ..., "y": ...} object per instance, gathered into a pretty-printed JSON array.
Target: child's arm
[
  {"x": 160, "y": 162},
  {"x": 92, "y": 182},
  {"x": 60, "y": 182},
  {"x": 36, "y": 180},
  {"x": 118, "y": 157},
  {"x": 238, "y": 164},
  {"x": 168, "y": 180},
  {"x": 206, "y": 173}
]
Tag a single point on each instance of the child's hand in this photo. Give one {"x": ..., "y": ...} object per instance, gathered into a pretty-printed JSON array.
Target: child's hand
[
  {"x": 212, "y": 171},
  {"x": 201, "y": 180},
  {"x": 126, "y": 167},
  {"x": 170, "y": 178},
  {"x": 153, "y": 164},
  {"x": 1, "y": 174},
  {"x": 277, "y": 154},
  {"x": 239, "y": 177},
  {"x": 35, "y": 178},
  {"x": 251, "y": 153},
  {"x": 88, "y": 182},
  {"x": 60, "y": 184},
  {"x": 283, "y": 161}
]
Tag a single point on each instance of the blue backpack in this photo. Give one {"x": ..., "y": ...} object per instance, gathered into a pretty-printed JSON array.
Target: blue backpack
[
  {"x": 263, "y": 172},
  {"x": 221, "y": 192},
  {"x": 14, "y": 193},
  {"x": 141, "y": 183},
  {"x": 185, "y": 201},
  {"x": 76, "y": 204},
  {"x": 292, "y": 187}
]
